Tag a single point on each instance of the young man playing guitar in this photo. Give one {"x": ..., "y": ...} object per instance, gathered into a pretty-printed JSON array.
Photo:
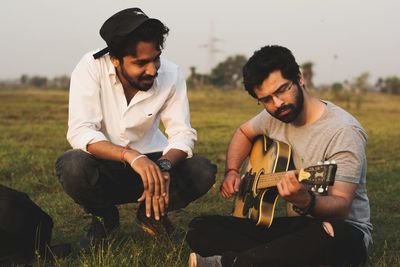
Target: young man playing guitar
[{"x": 337, "y": 228}]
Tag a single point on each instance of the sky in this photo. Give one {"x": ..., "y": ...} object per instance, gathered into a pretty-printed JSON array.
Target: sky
[{"x": 343, "y": 38}]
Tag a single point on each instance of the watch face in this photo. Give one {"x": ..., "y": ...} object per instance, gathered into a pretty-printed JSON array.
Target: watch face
[{"x": 164, "y": 164}]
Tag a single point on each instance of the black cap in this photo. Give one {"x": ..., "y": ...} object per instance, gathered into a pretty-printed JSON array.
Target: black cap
[{"x": 119, "y": 25}]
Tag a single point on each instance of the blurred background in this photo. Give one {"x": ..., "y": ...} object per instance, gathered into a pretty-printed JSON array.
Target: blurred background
[{"x": 340, "y": 44}]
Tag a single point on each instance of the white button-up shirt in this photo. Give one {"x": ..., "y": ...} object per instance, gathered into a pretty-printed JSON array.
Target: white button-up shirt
[{"x": 98, "y": 109}]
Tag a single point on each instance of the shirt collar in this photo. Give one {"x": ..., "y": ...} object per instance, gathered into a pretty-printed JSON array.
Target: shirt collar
[{"x": 111, "y": 70}]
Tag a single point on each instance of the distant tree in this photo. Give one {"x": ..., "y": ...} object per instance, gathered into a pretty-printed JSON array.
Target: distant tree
[
  {"x": 391, "y": 85},
  {"x": 340, "y": 92},
  {"x": 195, "y": 79},
  {"x": 380, "y": 83},
  {"x": 361, "y": 82},
  {"x": 361, "y": 87},
  {"x": 24, "y": 79},
  {"x": 38, "y": 81},
  {"x": 229, "y": 72},
  {"x": 307, "y": 70},
  {"x": 337, "y": 88},
  {"x": 60, "y": 82}
]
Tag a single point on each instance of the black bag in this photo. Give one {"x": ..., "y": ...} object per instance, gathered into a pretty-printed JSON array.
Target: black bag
[{"x": 24, "y": 227}]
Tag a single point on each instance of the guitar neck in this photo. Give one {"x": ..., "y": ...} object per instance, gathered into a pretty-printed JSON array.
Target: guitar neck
[{"x": 269, "y": 180}]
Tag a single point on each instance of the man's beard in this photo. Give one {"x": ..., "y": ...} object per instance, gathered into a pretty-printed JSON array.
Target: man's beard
[
  {"x": 294, "y": 109},
  {"x": 137, "y": 84}
]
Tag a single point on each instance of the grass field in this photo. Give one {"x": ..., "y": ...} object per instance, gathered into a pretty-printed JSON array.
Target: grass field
[{"x": 32, "y": 133}]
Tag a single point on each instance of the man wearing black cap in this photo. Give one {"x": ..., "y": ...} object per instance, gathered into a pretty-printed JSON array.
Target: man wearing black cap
[{"x": 118, "y": 96}]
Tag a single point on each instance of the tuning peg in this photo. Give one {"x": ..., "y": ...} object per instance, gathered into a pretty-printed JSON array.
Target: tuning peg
[{"x": 320, "y": 190}]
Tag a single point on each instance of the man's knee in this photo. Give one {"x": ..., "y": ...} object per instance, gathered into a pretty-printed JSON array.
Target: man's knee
[
  {"x": 76, "y": 169},
  {"x": 198, "y": 223},
  {"x": 197, "y": 234},
  {"x": 202, "y": 172}
]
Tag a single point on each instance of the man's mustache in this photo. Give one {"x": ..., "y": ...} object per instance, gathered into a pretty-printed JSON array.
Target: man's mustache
[
  {"x": 148, "y": 77},
  {"x": 283, "y": 108}
]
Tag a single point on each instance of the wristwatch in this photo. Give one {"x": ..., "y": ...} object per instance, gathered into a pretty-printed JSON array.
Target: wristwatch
[
  {"x": 164, "y": 164},
  {"x": 309, "y": 208}
]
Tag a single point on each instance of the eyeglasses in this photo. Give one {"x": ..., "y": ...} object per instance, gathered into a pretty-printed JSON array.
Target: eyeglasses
[{"x": 279, "y": 93}]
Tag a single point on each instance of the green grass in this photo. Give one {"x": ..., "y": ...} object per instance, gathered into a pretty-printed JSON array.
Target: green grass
[{"x": 32, "y": 133}]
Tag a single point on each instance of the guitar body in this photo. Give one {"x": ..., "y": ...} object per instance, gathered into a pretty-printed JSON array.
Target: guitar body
[{"x": 266, "y": 156}]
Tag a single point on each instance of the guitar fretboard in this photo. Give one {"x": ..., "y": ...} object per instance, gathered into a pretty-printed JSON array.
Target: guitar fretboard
[{"x": 269, "y": 180}]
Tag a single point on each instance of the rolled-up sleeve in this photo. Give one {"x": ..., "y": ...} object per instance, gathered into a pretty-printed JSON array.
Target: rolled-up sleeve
[
  {"x": 175, "y": 117},
  {"x": 85, "y": 114}
]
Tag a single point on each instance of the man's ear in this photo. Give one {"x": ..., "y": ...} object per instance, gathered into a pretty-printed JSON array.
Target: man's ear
[
  {"x": 301, "y": 80},
  {"x": 115, "y": 61}
]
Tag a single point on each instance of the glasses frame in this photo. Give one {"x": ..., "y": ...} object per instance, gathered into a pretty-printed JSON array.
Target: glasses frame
[{"x": 279, "y": 93}]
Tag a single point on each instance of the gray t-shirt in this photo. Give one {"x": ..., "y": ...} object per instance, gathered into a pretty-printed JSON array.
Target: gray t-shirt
[{"x": 338, "y": 136}]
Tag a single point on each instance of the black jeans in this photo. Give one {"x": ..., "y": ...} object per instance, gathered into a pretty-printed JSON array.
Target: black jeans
[
  {"x": 290, "y": 241},
  {"x": 98, "y": 185}
]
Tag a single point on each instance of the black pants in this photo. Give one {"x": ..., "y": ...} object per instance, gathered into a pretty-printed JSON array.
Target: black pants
[
  {"x": 98, "y": 185},
  {"x": 291, "y": 241}
]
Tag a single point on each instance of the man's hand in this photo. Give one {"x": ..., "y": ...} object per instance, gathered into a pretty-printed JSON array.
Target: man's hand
[
  {"x": 160, "y": 204},
  {"x": 155, "y": 185},
  {"x": 292, "y": 191},
  {"x": 230, "y": 185}
]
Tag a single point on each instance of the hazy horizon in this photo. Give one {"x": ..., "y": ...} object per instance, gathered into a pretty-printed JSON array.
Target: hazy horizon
[{"x": 342, "y": 38}]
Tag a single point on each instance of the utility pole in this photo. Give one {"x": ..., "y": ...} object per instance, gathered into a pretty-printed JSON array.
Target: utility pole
[{"x": 212, "y": 49}]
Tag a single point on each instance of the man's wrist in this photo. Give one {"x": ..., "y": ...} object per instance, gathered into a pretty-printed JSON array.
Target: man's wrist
[
  {"x": 309, "y": 208},
  {"x": 130, "y": 155},
  {"x": 231, "y": 170},
  {"x": 136, "y": 158},
  {"x": 124, "y": 150}
]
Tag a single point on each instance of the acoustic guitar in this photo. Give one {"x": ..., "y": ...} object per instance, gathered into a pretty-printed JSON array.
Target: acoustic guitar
[{"x": 268, "y": 162}]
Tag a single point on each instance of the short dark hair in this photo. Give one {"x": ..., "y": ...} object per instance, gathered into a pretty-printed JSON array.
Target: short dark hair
[
  {"x": 152, "y": 31},
  {"x": 263, "y": 62}
]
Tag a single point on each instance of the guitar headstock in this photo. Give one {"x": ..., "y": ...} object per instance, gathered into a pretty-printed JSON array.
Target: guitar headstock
[{"x": 320, "y": 176}]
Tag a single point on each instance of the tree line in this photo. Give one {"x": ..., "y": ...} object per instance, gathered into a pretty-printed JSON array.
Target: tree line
[
  {"x": 228, "y": 75},
  {"x": 36, "y": 81}
]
